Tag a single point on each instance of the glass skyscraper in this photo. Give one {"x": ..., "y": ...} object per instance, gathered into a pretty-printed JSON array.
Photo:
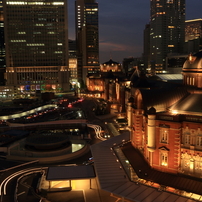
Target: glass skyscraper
[
  {"x": 193, "y": 35},
  {"x": 36, "y": 32},
  {"x": 87, "y": 36},
  {"x": 2, "y": 46},
  {"x": 36, "y": 35},
  {"x": 167, "y": 31}
]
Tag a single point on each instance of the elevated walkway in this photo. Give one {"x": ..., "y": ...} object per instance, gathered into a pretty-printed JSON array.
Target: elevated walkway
[{"x": 144, "y": 171}]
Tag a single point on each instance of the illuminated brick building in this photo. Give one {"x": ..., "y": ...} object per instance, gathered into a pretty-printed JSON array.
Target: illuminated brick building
[
  {"x": 106, "y": 84},
  {"x": 95, "y": 85},
  {"x": 36, "y": 45},
  {"x": 111, "y": 66},
  {"x": 165, "y": 122}
]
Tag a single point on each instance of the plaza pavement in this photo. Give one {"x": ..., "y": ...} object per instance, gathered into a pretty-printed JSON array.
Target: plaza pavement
[{"x": 82, "y": 192}]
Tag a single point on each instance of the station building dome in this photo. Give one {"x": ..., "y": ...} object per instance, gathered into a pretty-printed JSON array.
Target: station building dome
[
  {"x": 111, "y": 66},
  {"x": 192, "y": 70},
  {"x": 151, "y": 111}
]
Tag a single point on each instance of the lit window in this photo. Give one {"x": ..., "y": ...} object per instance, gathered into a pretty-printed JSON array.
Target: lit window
[
  {"x": 39, "y": 25},
  {"x": 169, "y": 1},
  {"x": 58, "y": 3},
  {"x": 164, "y": 136},
  {"x": 199, "y": 141},
  {"x": 164, "y": 158},
  {"x": 21, "y": 32},
  {"x": 198, "y": 166},
  {"x": 187, "y": 139},
  {"x": 18, "y": 41}
]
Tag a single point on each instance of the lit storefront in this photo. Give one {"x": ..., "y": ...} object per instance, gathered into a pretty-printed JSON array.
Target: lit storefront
[{"x": 28, "y": 80}]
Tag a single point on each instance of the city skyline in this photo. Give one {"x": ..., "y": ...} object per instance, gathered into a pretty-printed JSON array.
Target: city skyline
[{"x": 117, "y": 35}]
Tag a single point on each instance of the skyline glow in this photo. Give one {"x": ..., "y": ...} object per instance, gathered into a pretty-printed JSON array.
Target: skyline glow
[{"x": 121, "y": 26}]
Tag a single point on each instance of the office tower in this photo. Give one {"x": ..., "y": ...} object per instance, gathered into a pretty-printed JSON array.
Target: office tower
[
  {"x": 73, "y": 67},
  {"x": 167, "y": 34},
  {"x": 87, "y": 37},
  {"x": 193, "y": 35},
  {"x": 2, "y": 46},
  {"x": 72, "y": 48},
  {"x": 128, "y": 65},
  {"x": 174, "y": 63},
  {"x": 36, "y": 45},
  {"x": 146, "y": 54}
]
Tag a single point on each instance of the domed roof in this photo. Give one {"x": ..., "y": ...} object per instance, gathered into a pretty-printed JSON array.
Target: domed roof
[
  {"x": 193, "y": 108},
  {"x": 152, "y": 110},
  {"x": 193, "y": 61},
  {"x": 110, "y": 62}
]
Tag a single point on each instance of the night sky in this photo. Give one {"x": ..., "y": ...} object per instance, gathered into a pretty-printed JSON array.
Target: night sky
[{"x": 121, "y": 25}]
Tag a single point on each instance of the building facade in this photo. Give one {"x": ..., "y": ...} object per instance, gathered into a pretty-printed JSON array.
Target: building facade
[
  {"x": 111, "y": 66},
  {"x": 87, "y": 37},
  {"x": 73, "y": 66},
  {"x": 146, "y": 48},
  {"x": 167, "y": 35},
  {"x": 2, "y": 46},
  {"x": 165, "y": 123},
  {"x": 103, "y": 84},
  {"x": 193, "y": 35},
  {"x": 36, "y": 45},
  {"x": 174, "y": 63}
]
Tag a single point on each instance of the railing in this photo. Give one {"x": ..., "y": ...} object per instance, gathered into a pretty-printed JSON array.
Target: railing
[
  {"x": 134, "y": 177},
  {"x": 24, "y": 164}
]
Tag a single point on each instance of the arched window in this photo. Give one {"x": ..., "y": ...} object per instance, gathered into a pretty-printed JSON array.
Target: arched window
[{"x": 187, "y": 80}]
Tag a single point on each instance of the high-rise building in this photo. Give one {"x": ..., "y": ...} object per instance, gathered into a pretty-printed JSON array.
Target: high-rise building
[
  {"x": 73, "y": 67},
  {"x": 36, "y": 38},
  {"x": 87, "y": 37},
  {"x": 193, "y": 35},
  {"x": 167, "y": 32},
  {"x": 2, "y": 46},
  {"x": 146, "y": 53}
]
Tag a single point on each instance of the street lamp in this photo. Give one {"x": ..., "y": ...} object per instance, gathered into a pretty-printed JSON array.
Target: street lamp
[{"x": 78, "y": 89}]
